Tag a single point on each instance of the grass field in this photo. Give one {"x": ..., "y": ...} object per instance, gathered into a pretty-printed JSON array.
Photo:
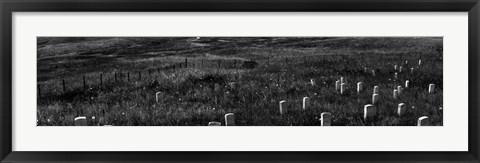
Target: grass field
[{"x": 200, "y": 80}]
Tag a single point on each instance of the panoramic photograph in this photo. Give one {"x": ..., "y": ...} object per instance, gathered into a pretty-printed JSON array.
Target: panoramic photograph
[{"x": 239, "y": 81}]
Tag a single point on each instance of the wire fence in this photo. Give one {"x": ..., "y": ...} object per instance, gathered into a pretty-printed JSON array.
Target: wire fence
[{"x": 90, "y": 80}]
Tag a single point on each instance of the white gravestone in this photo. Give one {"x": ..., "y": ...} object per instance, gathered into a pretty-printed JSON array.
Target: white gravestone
[
  {"x": 283, "y": 107},
  {"x": 369, "y": 111},
  {"x": 400, "y": 89},
  {"x": 375, "y": 98},
  {"x": 343, "y": 88},
  {"x": 431, "y": 88},
  {"x": 423, "y": 121},
  {"x": 359, "y": 87},
  {"x": 306, "y": 103},
  {"x": 337, "y": 85},
  {"x": 325, "y": 119},
  {"x": 229, "y": 119},
  {"x": 81, "y": 121},
  {"x": 407, "y": 83},
  {"x": 395, "y": 94},
  {"x": 157, "y": 96},
  {"x": 375, "y": 89},
  {"x": 401, "y": 109},
  {"x": 214, "y": 124}
]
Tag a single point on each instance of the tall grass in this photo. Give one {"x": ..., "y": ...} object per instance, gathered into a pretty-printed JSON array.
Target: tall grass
[{"x": 189, "y": 96}]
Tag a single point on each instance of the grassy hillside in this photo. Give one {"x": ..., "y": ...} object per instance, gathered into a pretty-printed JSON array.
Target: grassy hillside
[{"x": 122, "y": 76}]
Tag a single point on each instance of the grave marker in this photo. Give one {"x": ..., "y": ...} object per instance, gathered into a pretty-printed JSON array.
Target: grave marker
[
  {"x": 407, "y": 83},
  {"x": 343, "y": 88},
  {"x": 423, "y": 121},
  {"x": 359, "y": 87},
  {"x": 325, "y": 119},
  {"x": 368, "y": 111},
  {"x": 375, "y": 98},
  {"x": 337, "y": 85},
  {"x": 214, "y": 124},
  {"x": 229, "y": 119},
  {"x": 431, "y": 88},
  {"x": 93, "y": 120},
  {"x": 306, "y": 103},
  {"x": 375, "y": 89},
  {"x": 401, "y": 109},
  {"x": 157, "y": 96},
  {"x": 400, "y": 89},
  {"x": 395, "y": 94},
  {"x": 80, "y": 121},
  {"x": 283, "y": 107}
]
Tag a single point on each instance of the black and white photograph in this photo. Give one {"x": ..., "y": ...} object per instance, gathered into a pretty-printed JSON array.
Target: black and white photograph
[{"x": 239, "y": 81}]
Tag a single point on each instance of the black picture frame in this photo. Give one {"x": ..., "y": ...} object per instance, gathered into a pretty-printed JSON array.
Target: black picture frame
[{"x": 10, "y": 6}]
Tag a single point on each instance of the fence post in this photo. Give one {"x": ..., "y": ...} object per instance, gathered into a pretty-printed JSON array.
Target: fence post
[
  {"x": 219, "y": 63},
  {"x": 84, "y": 83},
  {"x": 115, "y": 77},
  {"x": 158, "y": 70},
  {"x": 186, "y": 63},
  {"x": 139, "y": 75},
  {"x": 39, "y": 91},
  {"x": 63, "y": 84}
]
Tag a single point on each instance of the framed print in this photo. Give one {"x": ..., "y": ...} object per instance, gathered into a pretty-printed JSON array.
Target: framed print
[{"x": 239, "y": 81}]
